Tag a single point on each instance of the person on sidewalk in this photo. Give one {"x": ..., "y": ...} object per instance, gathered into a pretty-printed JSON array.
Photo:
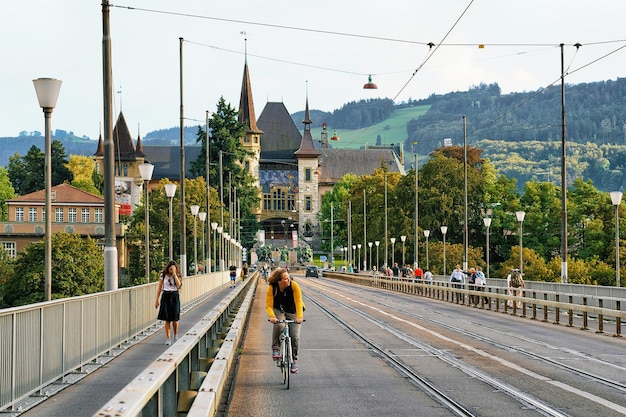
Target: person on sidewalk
[
  {"x": 170, "y": 282},
  {"x": 283, "y": 300}
]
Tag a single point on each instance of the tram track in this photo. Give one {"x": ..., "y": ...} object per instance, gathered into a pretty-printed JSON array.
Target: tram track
[
  {"x": 437, "y": 393},
  {"x": 490, "y": 341}
]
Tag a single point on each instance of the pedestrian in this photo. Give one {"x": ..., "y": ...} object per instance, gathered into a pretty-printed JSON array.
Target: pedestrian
[
  {"x": 244, "y": 271},
  {"x": 395, "y": 270},
  {"x": 428, "y": 276},
  {"x": 457, "y": 278},
  {"x": 168, "y": 299},
  {"x": 480, "y": 282},
  {"x": 233, "y": 274},
  {"x": 283, "y": 300},
  {"x": 515, "y": 283}
]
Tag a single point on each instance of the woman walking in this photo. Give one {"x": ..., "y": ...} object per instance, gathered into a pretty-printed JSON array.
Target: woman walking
[{"x": 169, "y": 306}]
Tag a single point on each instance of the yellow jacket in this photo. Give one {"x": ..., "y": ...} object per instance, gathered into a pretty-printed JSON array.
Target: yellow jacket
[{"x": 291, "y": 299}]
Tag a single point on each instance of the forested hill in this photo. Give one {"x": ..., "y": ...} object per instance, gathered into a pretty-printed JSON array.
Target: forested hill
[
  {"x": 519, "y": 132},
  {"x": 595, "y": 112}
]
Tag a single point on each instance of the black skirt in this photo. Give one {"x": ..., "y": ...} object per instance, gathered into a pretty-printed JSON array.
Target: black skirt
[{"x": 169, "y": 309}]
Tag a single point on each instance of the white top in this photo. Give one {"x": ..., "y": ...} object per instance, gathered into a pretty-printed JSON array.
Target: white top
[{"x": 169, "y": 283}]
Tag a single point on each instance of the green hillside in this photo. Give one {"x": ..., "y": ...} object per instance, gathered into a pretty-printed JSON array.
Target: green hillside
[{"x": 391, "y": 130}]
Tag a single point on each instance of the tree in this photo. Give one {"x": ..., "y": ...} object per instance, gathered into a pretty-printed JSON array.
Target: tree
[
  {"x": 195, "y": 193},
  {"x": 226, "y": 132},
  {"x": 82, "y": 169},
  {"x": 77, "y": 269},
  {"x": 27, "y": 173},
  {"x": 6, "y": 192}
]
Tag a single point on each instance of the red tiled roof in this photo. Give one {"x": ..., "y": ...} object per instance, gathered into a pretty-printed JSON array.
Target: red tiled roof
[{"x": 65, "y": 193}]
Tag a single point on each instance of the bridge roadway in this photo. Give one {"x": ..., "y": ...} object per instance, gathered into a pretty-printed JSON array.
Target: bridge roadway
[{"x": 339, "y": 375}]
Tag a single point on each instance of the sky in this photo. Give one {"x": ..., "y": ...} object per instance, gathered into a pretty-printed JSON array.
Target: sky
[{"x": 323, "y": 49}]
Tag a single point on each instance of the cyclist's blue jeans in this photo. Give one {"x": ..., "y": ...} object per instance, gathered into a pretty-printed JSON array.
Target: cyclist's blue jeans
[{"x": 294, "y": 332}]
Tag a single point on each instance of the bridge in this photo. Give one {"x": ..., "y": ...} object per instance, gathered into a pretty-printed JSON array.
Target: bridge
[{"x": 370, "y": 346}]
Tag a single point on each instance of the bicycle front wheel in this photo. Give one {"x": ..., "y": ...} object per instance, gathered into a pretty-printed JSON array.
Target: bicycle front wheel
[{"x": 284, "y": 364}]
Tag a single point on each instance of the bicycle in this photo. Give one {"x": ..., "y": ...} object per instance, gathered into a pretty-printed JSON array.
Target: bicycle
[{"x": 286, "y": 355}]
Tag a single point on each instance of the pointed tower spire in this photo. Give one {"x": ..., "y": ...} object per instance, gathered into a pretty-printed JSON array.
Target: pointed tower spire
[
  {"x": 307, "y": 148},
  {"x": 246, "y": 104},
  {"x": 100, "y": 150},
  {"x": 139, "y": 147}
]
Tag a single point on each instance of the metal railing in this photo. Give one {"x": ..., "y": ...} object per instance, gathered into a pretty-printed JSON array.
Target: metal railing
[
  {"x": 47, "y": 342},
  {"x": 190, "y": 376},
  {"x": 582, "y": 301}
]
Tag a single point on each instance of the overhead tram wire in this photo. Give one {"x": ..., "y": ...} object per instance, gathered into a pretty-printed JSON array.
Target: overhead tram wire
[
  {"x": 543, "y": 90},
  {"x": 335, "y": 33},
  {"x": 353, "y": 35},
  {"x": 429, "y": 55}
]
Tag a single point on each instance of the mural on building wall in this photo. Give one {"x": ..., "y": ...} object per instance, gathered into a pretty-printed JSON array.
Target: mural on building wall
[
  {"x": 123, "y": 196},
  {"x": 279, "y": 178}
]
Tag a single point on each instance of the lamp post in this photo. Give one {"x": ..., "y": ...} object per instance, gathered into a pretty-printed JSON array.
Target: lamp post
[
  {"x": 403, "y": 238},
  {"x": 145, "y": 170},
  {"x": 487, "y": 221},
  {"x": 202, "y": 217},
  {"x": 616, "y": 199},
  {"x": 444, "y": 230},
  {"x": 47, "y": 90},
  {"x": 370, "y": 244},
  {"x": 220, "y": 230},
  {"x": 426, "y": 235},
  {"x": 377, "y": 243},
  {"x": 354, "y": 256},
  {"x": 393, "y": 254},
  {"x": 520, "y": 218},
  {"x": 194, "y": 212},
  {"x": 214, "y": 228},
  {"x": 170, "y": 191},
  {"x": 359, "y": 257}
]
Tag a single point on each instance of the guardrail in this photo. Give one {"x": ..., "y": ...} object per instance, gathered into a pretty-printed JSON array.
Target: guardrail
[
  {"x": 47, "y": 344},
  {"x": 498, "y": 298},
  {"x": 190, "y": 376}
]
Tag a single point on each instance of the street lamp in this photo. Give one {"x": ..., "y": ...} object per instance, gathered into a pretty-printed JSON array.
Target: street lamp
[
  {"x": 403, "y": 238},
  {"x": 444, "y": 230},
  {"x": 377, "y": 243},
  {"x": 202, "y": 217},
  {"x": 354, "y": 256},
  {"x": 426, "y": 235},
  {"x": 47, "y": 90},
  {"x": 170, "y": 191},
  {"x": 393, "y": 254},
  {"x": 220, "y": 229},
  {"x": 520, "y": 218},
  {"x": 359, "y": 247},
  {"x": 487, "y": 221},
  {"x": 616, "y": 199},
  {"x": 214, "y": 228},
  {"x": 370, "y": 244},
  {"x": 145, "y": 170},
  {"x": 194, "y": 212}
]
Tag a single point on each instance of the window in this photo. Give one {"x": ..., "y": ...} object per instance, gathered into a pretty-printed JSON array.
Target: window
[
  {"x": 32, "y": 214},
  {"x": 307, "y": 174},
  {"x": 97, "y": 214},
  {"x": 19, "y": 214},
  {"x": 71, "y": 215},
  {"x": 246, "y": 139},
  {"x": 308, "y": 203},
  {"x": 247, "y": 165},
  {"x": 10, "y": 248},
  {"x": 58, "y": 215},
  {"x": 84, "y": 215}
]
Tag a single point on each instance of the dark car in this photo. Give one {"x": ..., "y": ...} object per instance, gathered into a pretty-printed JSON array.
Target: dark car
[{"x": 311, "y": 271}]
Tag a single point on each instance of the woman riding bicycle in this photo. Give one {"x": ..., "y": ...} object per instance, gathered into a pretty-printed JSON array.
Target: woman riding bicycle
[{"x": 283, "y": 300}]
